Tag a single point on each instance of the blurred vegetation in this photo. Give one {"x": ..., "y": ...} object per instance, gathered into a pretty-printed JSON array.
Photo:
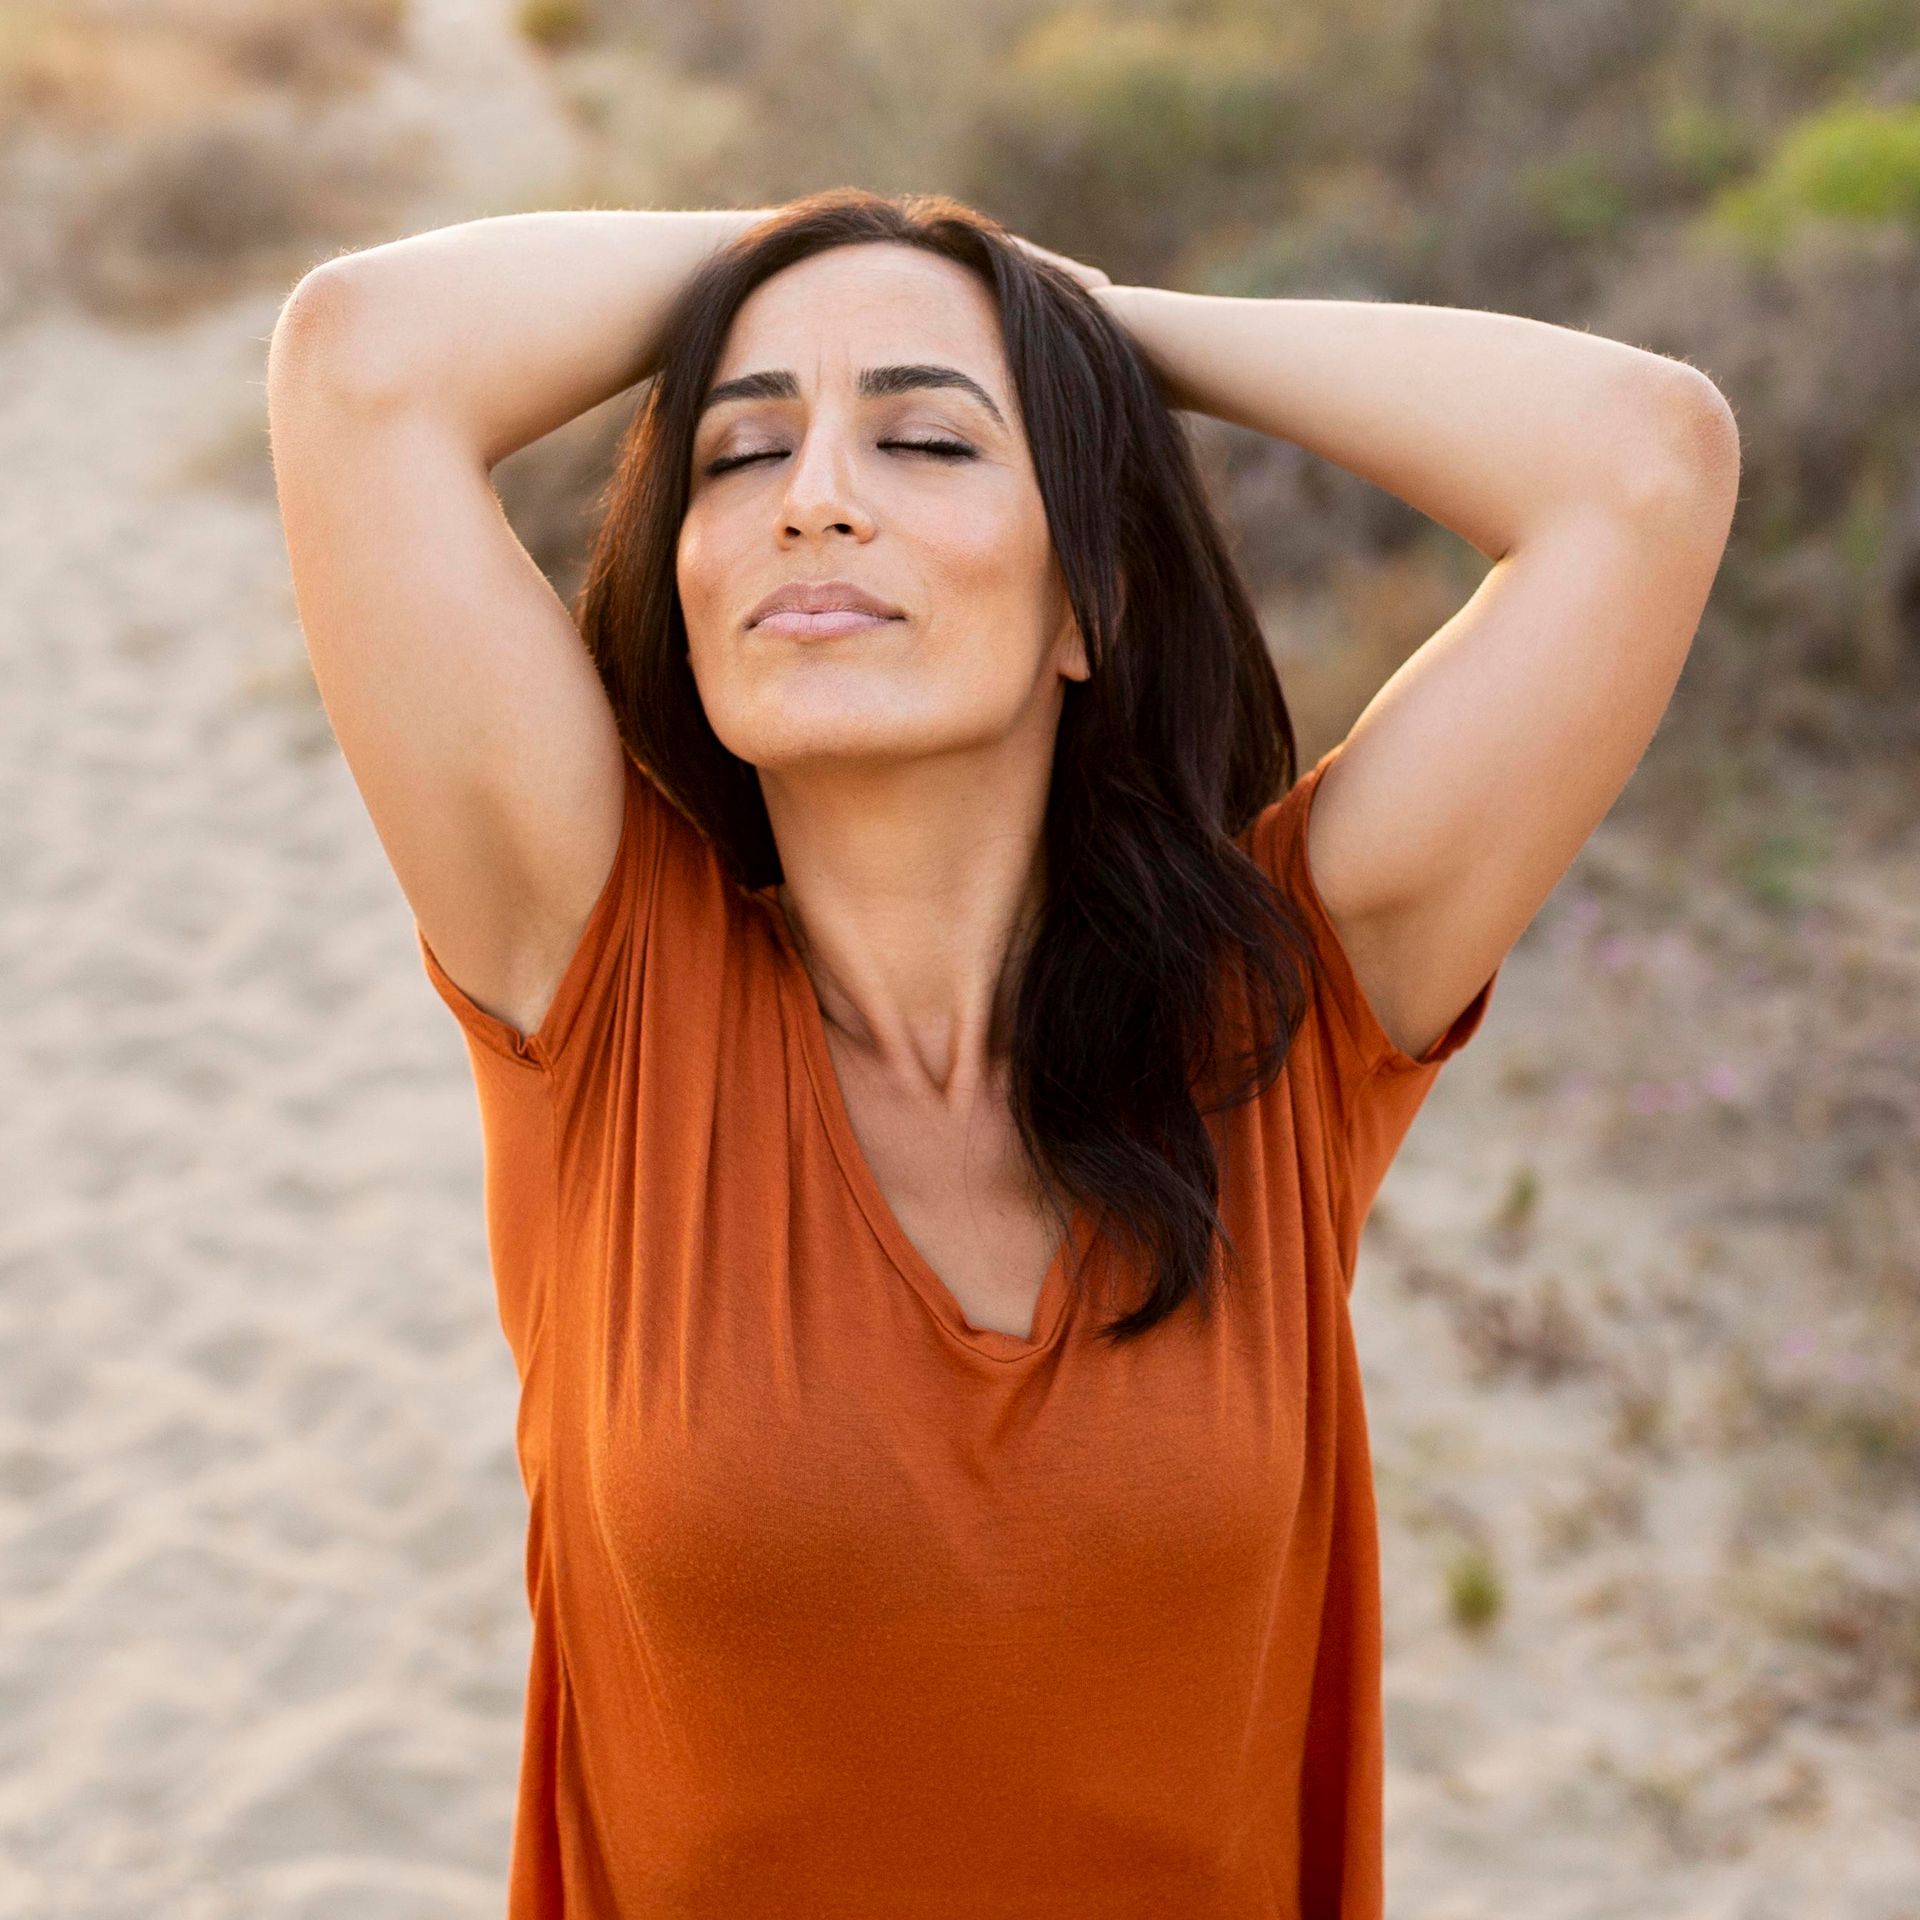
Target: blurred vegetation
[
  {"x": 1849, "y": 162},
  {"x": 160, "y": 155},
  {"x": 1735, "y": 183},
  {"x": 1476, "y": 1595}
]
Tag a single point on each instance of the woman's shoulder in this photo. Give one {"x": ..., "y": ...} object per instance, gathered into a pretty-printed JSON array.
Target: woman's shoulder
[{"x": 667, "y": 905}]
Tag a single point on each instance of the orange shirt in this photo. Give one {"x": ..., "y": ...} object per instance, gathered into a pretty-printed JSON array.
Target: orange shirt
[{"x": 846, "y": 1609}]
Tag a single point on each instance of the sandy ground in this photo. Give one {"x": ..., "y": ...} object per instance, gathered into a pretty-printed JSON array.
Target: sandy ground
[{"x": 265, "y": 1629}]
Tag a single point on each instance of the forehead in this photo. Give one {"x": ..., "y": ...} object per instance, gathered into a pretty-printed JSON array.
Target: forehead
[{"x": 861, "y": 306}]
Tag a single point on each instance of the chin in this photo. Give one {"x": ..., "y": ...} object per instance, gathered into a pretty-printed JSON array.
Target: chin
[{"x": 826, "y": 717}]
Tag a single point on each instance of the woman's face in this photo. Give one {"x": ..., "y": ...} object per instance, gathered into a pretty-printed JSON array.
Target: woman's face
[{"x": 830, "y": 488}]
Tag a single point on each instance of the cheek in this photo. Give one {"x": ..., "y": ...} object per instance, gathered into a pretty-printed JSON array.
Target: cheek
[
  {"x": 698, "y": 571},
  {"x": 998, "y": 592}
]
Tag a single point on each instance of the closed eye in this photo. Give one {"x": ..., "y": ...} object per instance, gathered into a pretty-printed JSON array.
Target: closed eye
[{"x": 941, "y": 449}]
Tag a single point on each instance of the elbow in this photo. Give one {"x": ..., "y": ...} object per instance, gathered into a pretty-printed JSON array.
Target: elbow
[
  {"x": 1684, "y": 448},
  {"x": 321, "y": 340}
]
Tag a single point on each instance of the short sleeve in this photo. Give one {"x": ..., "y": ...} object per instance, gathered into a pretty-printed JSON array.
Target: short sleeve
[
  {"x": 604, "y": 960},
  {"x": 1371, "y": 1089}
]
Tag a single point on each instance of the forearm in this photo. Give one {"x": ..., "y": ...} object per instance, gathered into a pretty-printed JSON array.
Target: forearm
[
  {"x": 508, "y": 326},
  {"x": 1489, "y": 423}
]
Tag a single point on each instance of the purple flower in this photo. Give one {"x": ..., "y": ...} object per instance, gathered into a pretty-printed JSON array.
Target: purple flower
[{"x": 1722, "y": 1081}]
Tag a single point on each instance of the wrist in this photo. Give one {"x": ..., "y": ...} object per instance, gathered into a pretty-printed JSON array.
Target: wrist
[{"x": 1132, "y": 307}]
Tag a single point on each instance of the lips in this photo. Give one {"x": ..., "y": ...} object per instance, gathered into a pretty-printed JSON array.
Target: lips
[{"x": 823, "y": 596}]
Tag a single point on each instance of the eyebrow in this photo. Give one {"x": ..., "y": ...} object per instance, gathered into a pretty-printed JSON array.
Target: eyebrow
[{"x": 780, "y": 384}]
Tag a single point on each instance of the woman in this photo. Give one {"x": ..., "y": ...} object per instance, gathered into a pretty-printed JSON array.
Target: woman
[{"x": 898, "y": 938}]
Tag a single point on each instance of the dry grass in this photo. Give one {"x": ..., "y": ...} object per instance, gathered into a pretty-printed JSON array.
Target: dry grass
[
  {"x": 1532, "y": 1333},
  {"x": 1640, "y": 1383},
  {"x": 1866, "y": 1429},
  {"x": 1611, "y": 1505},
  {"x": 1853, "y": 1637},
  {"x": 161, "y": 159},
  {"x": 174, "y": 218},
  {"x": 87, "y": 68}
]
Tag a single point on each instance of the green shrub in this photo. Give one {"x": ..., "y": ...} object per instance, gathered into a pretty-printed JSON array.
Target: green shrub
[
  {"x": 1704, "y": 145},
  {"x": 1851, "y": 162},
  {"x": 1578, "y": 196}
]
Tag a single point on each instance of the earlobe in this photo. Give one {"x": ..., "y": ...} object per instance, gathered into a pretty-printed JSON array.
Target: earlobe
[
  {"x": 1070, "y": 647},
  {"x": 1074, "y": 666},
  {"x": 1077, "y": 667}
]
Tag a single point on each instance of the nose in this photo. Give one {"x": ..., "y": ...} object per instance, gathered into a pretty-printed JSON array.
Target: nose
[{"x": 822, "y": 494}]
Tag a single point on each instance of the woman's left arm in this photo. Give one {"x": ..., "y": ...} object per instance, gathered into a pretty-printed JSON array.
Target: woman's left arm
[{"x": 1600, "y": 481}]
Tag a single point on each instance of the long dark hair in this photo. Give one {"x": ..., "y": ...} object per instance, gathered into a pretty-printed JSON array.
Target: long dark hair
[{"x": 1179, "y": 735}]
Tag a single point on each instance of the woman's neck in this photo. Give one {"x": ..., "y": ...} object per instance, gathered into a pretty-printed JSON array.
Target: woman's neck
[{"x": 912, "y": 893}]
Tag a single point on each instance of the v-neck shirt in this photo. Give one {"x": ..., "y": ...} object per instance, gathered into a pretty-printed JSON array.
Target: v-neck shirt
[
  {"x": 914, "y": 1268},
  {"x": 843, "y": 1606}
]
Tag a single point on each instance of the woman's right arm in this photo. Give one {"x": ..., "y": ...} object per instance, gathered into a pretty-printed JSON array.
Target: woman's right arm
[{"x": 467, "y": 709}]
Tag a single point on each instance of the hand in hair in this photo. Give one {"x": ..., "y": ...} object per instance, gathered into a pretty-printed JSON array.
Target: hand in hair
[{"x": 1088, "y": 277}]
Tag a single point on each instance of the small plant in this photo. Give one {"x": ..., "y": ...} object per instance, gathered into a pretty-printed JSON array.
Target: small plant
[
  {"x": 1666, "y": 1796},
  {"x": 1642, "y": 1403},
  {"x": 1836, "y": 37},
  {"x": 1520, "y": 1205},
  {"x": 1125, "y": 127},
  {"x": 1614, "y": 1503},
  {"x": 246, "y": 198},
  {"x": 1476, "y": 1595},
  {"x": 1779, "y": 869},
  {"x": 1537, "y": 1335},
  {"x": 1863, "y": 1634},
  {"x": 1874, "y": 1434},
  {"x": 554, "y": 25}
]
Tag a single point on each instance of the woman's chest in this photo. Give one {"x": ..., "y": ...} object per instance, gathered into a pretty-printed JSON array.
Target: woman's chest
[
  {"x": 766, "y": 1403},
  {"x": 775, "y": 1477},
  {"x": 958, "y": 1187}
]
